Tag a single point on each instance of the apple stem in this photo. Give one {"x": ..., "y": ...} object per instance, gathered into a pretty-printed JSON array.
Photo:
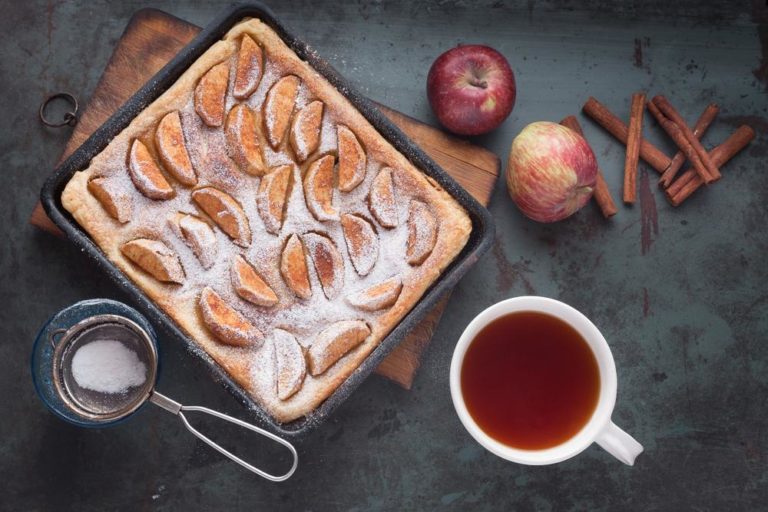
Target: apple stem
[{"x": 476, "y": 82}]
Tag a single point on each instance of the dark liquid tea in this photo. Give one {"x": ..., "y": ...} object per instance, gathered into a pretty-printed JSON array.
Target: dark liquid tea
[{"x": 530, "y": 380}]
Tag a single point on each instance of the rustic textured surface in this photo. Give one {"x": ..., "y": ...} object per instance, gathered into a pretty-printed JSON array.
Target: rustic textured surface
[{"x": 679, "y": 293}]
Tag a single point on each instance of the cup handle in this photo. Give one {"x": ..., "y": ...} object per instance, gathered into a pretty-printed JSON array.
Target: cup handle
[{"x": 619, "y": 444}]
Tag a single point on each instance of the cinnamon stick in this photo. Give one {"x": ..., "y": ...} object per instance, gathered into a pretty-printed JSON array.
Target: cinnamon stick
[
  {"x": 688, "y": 182},
  {"x": 705, "y": 119},
  {"x": 711, "y": 170},
  {"x": 633, "y": 146},
  {"x": 602, "y": 194},
  {"x": 616, "y": 127},
  {"x": 677, "y": 135}
]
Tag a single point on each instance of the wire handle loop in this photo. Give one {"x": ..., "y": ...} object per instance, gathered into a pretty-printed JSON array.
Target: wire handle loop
[{"x": 178, "y": 409}]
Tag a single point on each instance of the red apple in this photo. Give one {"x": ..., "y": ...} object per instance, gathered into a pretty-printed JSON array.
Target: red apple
[
  {"x": 551, "y": 171},
  {"x": 471, "y": 89}
]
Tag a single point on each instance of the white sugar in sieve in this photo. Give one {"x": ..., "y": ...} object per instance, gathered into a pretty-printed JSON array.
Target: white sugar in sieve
[{"x": 95, "y": 408}]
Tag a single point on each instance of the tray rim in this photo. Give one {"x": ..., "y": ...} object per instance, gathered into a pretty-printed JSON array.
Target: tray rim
[{"x": 478, "y": 243}]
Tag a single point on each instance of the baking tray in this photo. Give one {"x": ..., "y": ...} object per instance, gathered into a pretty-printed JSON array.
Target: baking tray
[{"x": 479, "y": 240}]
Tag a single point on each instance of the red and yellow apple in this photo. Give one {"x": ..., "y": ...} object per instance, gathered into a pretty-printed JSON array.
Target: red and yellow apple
[
  {"x": 551, "y": 171},
  {"x": 471, "y": 89}
]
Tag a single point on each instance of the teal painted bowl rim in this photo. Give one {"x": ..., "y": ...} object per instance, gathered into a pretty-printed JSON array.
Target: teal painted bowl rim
[{"x": 41, "y": 360}]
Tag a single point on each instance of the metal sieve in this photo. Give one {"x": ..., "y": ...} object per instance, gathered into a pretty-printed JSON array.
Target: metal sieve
[{"x": 90, "y": 408}]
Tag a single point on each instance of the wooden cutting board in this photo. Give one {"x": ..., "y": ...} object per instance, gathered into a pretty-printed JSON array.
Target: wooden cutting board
[{"x": 153, "y": 37}]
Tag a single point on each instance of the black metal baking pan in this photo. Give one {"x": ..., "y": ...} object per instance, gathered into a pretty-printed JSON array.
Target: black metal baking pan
[{"x": 479, "y": 241}]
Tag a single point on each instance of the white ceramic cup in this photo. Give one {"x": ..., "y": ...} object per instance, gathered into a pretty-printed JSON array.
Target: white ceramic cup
[{"x": 599, "y": 429}]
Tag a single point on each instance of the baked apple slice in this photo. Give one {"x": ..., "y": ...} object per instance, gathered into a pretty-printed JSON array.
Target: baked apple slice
[
  {"x": 226, "y": 323},
  {"x": 293, "y": 267},
  {"x": 318, "y": 189},
  {"x": 273, "y": 196},
  {"x": 334, "y": 342},
  {"x": 249, "y": 285},
  {"x": 146, "y": 174},
  {"x": 278, "y": 108},
  {"x": 210, "y": 94},
  {"x": 305, "y": 132},
  {"x": 226, "y": 212},
  {"x": 352, "y": 159},
  {"x": 198, "y": 236},
  {"x": 378, "y": 296},
  {"x": 291, "y": 364},
  {"x": 328, "y": 262},
  {"x": 381, "y": 199},
  {"x": 169, "y": 139},
  {"x": 422, "y": 233},
  {"x": 362, "y": 242},
  {"x": 115, "y": 201},
  {"x": 250, "y": 66},
  {"x": 155, "y": 258},
  {"x": 243, "y": 141}
]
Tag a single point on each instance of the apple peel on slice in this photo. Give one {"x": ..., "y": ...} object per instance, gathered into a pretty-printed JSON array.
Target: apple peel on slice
[
  {"x": 226, "y": 212},
  {"x": 293, "y": 267},
  {"x": 169, "y": 140},
  {"x": 146, "y": 174},
  {"x": 226, "y": 323},
  {"x": 243, "y": 140},
  {"x": 334, "y": 342},
  {"x": 362, "y": 242},
  {"x": 327, "y": 261},
  {"x": 155, "y": 258},
  {"x": 250, "y": 66},
  {"x": 117, "y": 203},
  {"x": 381, "y": 199},
  {"x": 210, "y": 94},
  {"x": 250, "y": 286},
  {"x": 352, "y": 159},
  {"x": 290, "y": 362},
  {"x": 378, "y": 296},
  {"x": 272, "y": 197},
  {"x": 278, "y": 108},
  {"x": 318, "y": 189}
]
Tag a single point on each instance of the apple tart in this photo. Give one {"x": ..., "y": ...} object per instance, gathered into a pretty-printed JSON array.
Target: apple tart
[{"x": 266, "y": 216}]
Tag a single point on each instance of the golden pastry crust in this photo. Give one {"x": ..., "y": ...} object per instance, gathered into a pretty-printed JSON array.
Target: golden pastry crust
[{"x": 254, "y": 369}]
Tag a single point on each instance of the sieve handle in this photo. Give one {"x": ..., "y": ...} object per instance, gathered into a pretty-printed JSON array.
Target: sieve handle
[
  {"x": 175, "y": 407},
  {"x": 53, "y": 336}
]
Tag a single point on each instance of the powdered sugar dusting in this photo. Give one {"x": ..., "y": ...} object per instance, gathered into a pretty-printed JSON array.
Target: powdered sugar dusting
[
  {"x": 271, "y": 75},
  {"x": 382, "y": 252},
  {"x": 291, "y": 365},
  {"x": 305, "y": 132},
  {"x": 328, "y": 263},
  {"x": 248, "y": 68},
  {"x": 279, "y": 106},
  {"x": 303, "y": 96},
  {"x": 146, "y": 173},
  {"x": 378, "y": 296},
  {"x": 382, "y": 200},
  {"x": 335, "y": 341},
  {"x": 117, "y": 202},
  {"x": 328, "y": 138},
  {"x": 200, "y": 238},
  {"x": 319, "y": 190},
  {"x": 422, "y": 232},
  {"x": 362, "y": 242}
]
